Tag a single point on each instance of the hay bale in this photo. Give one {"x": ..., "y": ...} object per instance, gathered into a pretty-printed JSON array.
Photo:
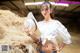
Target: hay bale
[
  {"x": 12, "y": 24},
  {"x": 11, "y": 30},
  {"x": 2, "y": 31}
]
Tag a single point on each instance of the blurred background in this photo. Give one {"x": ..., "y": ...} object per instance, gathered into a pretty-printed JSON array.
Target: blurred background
[{"x": 69, "y": 15}]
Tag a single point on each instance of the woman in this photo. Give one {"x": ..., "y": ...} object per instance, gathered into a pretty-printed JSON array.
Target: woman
[{"x": 50, "y": 28}]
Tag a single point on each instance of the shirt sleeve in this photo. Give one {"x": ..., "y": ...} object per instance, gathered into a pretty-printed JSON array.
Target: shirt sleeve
[
  {"x": 29, "y": 23},
  {"x": 63, "y": 32}
]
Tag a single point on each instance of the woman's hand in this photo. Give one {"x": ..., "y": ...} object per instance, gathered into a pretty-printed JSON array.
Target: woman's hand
[{"x": 61, "y": 46}]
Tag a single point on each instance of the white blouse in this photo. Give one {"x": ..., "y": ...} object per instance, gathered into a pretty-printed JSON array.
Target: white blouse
[{"x": 49, "y": 31}]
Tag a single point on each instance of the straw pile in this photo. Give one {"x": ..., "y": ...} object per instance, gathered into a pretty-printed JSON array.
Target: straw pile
[{"x": 11, "y": 28}]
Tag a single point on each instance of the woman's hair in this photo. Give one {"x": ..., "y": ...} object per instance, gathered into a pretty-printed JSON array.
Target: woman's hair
[
  {"x": 47, "y": 3},
  {"x": 50, "y": 6}
]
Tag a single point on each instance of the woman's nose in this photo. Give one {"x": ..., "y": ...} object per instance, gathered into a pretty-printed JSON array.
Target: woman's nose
[{"x": 45, "y": 12}]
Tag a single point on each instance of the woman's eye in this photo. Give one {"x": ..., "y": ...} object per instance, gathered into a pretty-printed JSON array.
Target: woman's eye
[{"x": 44, "y": 9}]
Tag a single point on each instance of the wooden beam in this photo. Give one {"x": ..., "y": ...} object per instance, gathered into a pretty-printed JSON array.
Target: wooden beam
[
  {"x": 75, "y": 8},
  {"x": 22, "y": 1},
  {"x": 14, "y": 4}
]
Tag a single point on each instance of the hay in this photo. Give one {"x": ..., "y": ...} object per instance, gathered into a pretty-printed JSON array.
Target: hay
[
  {"x": 10, "y": 28},
  {"x": 11, "y": 31},
  {"x": 2, "y": 31}
]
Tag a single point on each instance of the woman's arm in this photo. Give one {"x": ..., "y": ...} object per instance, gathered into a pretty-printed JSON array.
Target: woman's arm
[{"x": 65, "y": 35}]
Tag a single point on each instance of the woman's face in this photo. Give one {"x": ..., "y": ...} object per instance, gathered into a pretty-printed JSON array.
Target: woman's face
[{"x": 45, "y": 10}]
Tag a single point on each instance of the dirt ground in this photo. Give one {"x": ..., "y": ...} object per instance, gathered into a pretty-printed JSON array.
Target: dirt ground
[{"x": 75, "y": 46}]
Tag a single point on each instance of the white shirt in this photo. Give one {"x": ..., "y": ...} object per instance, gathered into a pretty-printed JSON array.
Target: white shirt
[{"x": 49, "y": 30}]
